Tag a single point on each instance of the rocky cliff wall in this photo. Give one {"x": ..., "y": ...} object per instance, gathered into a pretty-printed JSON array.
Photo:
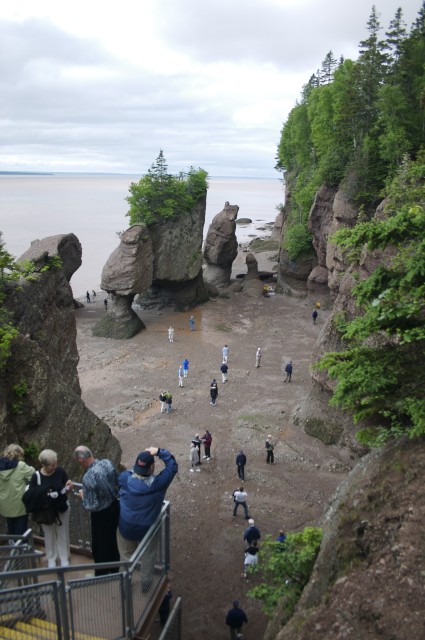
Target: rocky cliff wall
[
  {"x": 40, "y": 397},
  {"x": 369, "y": 576}
]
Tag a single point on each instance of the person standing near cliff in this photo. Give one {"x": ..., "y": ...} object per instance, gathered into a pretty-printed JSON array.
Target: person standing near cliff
[
  {"x": 100, "y": 498},
  {"x": 192, "y": 323},
  {"x": 171, "y": 334},
  {"x": 14, "y": 477},
  {"x": 88, "y": 296},
  {"x": 314, "y": 316}
]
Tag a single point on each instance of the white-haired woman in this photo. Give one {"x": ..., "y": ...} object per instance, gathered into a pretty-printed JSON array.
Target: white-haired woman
[
  {"x": 55, "y": 481},
  {"x": 14, "y": 477}
]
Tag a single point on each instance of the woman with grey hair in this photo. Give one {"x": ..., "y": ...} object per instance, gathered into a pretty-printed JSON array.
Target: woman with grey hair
[
  {"x": 14, "y": 477},
  {"x": 54, "y": 480}
]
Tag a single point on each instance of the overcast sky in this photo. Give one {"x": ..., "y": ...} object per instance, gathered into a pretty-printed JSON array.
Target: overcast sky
[{"x": 99, "y": 86}]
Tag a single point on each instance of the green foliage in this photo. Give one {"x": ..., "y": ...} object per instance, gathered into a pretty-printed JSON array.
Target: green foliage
[
  {"x": 285, "y": 569},
  {"x": 20, "y": 390},
  {"x": 297, "y": 241},
  {"x": 380, "y": 374},
  {"x": 357, "y": 119},
  {"x": 7, "y": 334},
  {"x": 160, "y": 196},
  {"x": 31, "y": 452}
]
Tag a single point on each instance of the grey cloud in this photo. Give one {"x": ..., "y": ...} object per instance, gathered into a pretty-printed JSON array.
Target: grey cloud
[{"x": 297, "y": 36}]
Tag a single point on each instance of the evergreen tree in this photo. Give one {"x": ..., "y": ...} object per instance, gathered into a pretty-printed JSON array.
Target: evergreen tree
[{"x": 329, "y": 65}]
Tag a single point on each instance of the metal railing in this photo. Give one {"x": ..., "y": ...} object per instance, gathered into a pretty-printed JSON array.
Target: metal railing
[
  {"x": 173, "y": 627},
  {"x": 112, "y": 606}
]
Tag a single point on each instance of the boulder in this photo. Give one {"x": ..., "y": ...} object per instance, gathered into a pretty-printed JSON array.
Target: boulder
[
  {"x": 221, "y": 247},
  {"x": 66, "y": 246},
  {"x": 129, "y": 269},
  {"x": 127, "y": 272},
  {"x": 252, "y": 266}
]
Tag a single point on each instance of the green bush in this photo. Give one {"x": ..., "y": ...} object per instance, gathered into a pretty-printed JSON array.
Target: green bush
[{"x": 285, "y": 569}]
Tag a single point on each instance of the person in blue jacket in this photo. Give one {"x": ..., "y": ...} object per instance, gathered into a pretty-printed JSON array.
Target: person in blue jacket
[{"x": 141, "y": 497}]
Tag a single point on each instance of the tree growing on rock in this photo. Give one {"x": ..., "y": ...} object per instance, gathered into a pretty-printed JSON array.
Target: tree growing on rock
[{"x": 160, "y": 195}]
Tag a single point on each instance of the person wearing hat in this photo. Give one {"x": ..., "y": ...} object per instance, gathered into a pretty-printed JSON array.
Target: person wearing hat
[
  {"x": 141, "y": 496},
  {"x": 235, "y": 619}
]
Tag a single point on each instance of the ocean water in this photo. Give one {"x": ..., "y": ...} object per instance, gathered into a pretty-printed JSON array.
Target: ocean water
[{"x": 93, "y": 207}]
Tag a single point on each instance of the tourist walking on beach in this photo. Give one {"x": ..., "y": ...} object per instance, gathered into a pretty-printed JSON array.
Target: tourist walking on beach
[
  {"x": 180, "y": 372},
  {"x": 258, "y": 357},
  {"x": 14, "y": 477},
  {"x": 288, "y": 370},
  {"x": 207, "y": 440},
  {"x": 193, "y": 457},
  {"x": 88, "y": 297},
  {"x": 225, "y": 353},
  {"x": 239, "y": 499},
  {"x": 213, "y": 391},
  {"x": 100, "y": 498},
  {"x": 251, "y": 557},
  {"x": 168, "y": 401},
  {"x": 240, "y": 464},
  {"x": 314, "y": 316},
  {"x": 196, "y": 440},
  {"x": 163, "y": 402},
  {"x": 185, "y": 365},
  {"x": 234, "y": 619},
  {"x": 269, "y": 450},
  {"x": 224, "y": 369},
  {"x": 94, "y": 295},
  {"x": 171, "y": 334},
  {"x": 192, "y": 323},
  {"x": 252, "y": 532},
  {"x": 105, "y": 302}
]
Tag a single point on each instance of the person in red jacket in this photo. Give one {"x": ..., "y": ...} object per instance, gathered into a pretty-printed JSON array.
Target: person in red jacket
[{"x": 207, "y": 440}]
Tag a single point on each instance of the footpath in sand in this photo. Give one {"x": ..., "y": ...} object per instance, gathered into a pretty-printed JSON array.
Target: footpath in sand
[{"x": 121, "y": 381}]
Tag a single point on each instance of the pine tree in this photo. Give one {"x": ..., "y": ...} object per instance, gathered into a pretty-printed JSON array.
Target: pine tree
[{"x": 329, "y": 65}]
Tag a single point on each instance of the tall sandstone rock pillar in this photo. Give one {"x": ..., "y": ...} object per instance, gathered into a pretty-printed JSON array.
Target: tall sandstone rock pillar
[{"x": 221, "y": 247}]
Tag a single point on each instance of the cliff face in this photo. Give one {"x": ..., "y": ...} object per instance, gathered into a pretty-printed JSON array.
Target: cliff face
[
  {"x": 368, "y": 579},
  {"x": 320, "y": 272},
  {"x": 40, "y": 397}
]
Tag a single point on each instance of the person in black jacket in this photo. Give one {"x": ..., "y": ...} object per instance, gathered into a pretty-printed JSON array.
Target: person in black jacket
[
  {"x": 240, "y": 463},
  {"x": 288, "y": 370},
  {"x": 213, "y": 391},
  {"x": 252, "y": 532},
  {"x": 235, "y": 619}
]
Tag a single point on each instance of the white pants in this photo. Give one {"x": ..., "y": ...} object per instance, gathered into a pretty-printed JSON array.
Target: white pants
[
  {"x": 56, "y": 541},
  {"x": 180, "y": 381},
  {"x": 224, "y": 377},
  {"x": 163, "y": 406}
]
